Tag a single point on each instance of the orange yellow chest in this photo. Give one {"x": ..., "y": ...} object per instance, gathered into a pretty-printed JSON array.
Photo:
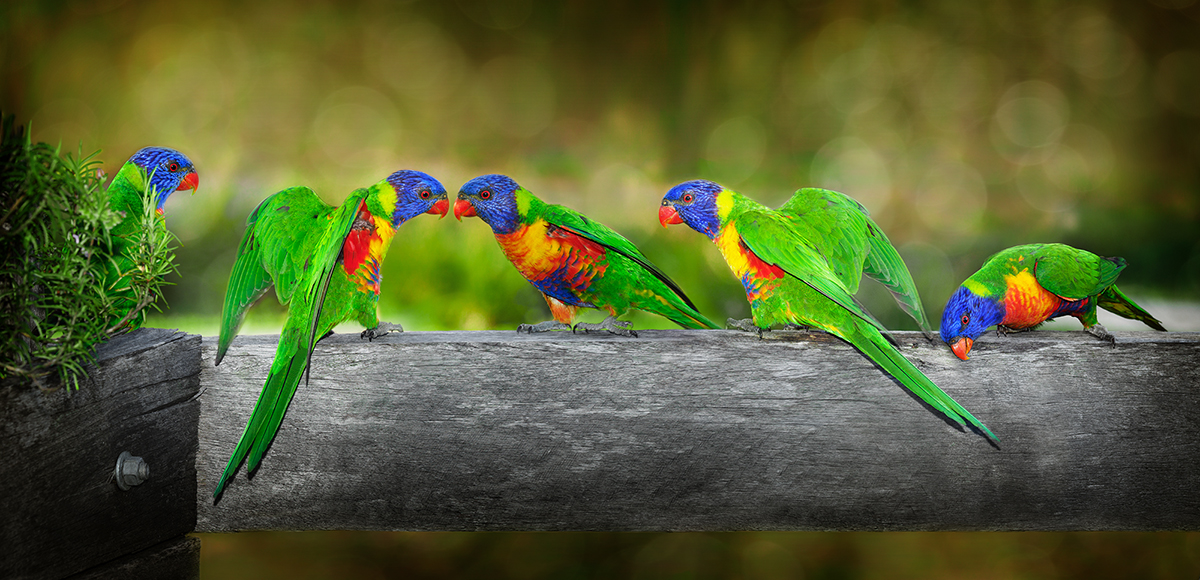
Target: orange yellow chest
[
  {"x": 1026, "y": 303},
  {"x": 540, "y": 250}
]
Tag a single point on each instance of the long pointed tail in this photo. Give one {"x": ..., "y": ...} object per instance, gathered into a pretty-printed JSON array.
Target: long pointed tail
[
  {"x": 669, "y": 306},
  {"x": 1116, "y": 302},
  {"x": 267, "y": 415},
  {"x": 875, "y": 347}
]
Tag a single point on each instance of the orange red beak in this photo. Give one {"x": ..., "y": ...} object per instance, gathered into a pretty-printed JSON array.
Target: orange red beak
[
  {"x": 962, "y": 347},
  {"x": 462, "y": 208},
  {"x": 440, "y": 207},
  {"x": 190, "y": 181},
  {"x": 667, "y": 215}
]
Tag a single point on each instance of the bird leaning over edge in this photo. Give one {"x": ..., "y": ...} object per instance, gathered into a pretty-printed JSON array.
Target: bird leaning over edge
[
  {"x": 325, "y": 264},
  {"x": 789, "y": 280},
  {"x": 573, "y": 261},
  {"x": 1022, "y": 287}
]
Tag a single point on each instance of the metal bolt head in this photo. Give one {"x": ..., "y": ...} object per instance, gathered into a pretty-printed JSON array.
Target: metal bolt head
[{"x": 131, "y": 471}]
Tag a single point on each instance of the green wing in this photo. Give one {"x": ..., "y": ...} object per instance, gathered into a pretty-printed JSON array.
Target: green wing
[
  {"x": 601, "y": 234},
  {"x": 1073, "y": 273},
  {"x": 300, "y": 332},
  {"x": 843, "y": 231},
  {"x": 276, "y": 250},
  {"x": 773, "y": 239}
]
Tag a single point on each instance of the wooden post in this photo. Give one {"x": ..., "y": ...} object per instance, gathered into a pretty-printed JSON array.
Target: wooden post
[
  {"x": 709, "y": 430},
  {"x": 63, "y": 512}
]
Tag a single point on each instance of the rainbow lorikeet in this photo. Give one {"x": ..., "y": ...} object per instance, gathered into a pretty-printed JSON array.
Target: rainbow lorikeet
[
  {"x": 841, "y": 229},
  {"x": 324, "y": 263},
  {"x": 156, "y": 171},
  {"x": 1024, "y": 286},
  {"x": 798, "y": 270},
  {"x": 573, "y": 261}
]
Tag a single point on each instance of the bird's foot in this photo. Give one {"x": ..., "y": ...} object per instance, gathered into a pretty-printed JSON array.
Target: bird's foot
[
  {"x": 1098, "y": 331},
  {"x": 744, "y": 325},
  {"x": 543, "y": 326},
  {"x": 1003, "y": 331},
  {"x": 796, "y": 327},
  {"x": 381, "y": 329},
  {"x": 611, "y": 324},
  {"x": 324, "y": 336}
]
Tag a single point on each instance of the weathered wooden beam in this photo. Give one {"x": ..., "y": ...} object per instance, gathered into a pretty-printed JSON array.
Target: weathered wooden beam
[
  {"x": 709, "y": 430},
  {"x": 62, "y": 511}
]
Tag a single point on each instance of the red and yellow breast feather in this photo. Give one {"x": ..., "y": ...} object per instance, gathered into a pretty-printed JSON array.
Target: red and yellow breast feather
[
  {"x": 1026, "y": 303},
  {"x": 364, "y": 249},
  {"x": 757, "y": 276},
  {"x": 541, "y": 251}
]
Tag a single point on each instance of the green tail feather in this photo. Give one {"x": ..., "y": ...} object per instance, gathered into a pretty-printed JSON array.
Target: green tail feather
[
  {"x": 267, "y": 415},
  {"x": 1114, "y": 301},
  {"x": 875, "y": 347},
  {"x": 679, "y": 313}
]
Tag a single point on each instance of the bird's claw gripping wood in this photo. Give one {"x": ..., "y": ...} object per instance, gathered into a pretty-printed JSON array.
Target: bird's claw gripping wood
[
  {"x": 610, "y": 324},
  {"x": 745, "y": 325},
  {"x": 544, "y": 327},
  {"x": 383, "y": 329},
  {"x": 1098, "y": 331}
]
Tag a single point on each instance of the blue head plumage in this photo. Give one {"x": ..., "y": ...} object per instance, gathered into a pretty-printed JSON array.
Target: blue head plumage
[
  {"x": 693, "y": 203},
  {"x": 416, "y": 193},
  {"x": 493, "y": 199},
  {"x": 966, "y": 316},
  {"x": 167, "y": 171}
]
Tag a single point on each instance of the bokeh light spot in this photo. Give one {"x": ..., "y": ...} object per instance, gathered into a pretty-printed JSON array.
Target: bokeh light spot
[
  {"x": 515, "y": 95},
  {"x": 357, "y": 127},
  {"x": 735, "y": 149},
  {"x": 1177, "y": 81},
  {"x": 951, "y": 197},
  {"x": 416, "y": 59},
  {"x": 850, "y": 166}
]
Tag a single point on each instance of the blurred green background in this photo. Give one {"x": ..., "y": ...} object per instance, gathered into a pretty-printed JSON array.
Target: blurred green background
[{"x": 964, "y": 127}]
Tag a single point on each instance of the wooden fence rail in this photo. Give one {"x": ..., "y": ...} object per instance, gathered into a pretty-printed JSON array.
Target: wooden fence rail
[
  {"x": 675, "y": 430},
  {"x": 709, "y": 430}
]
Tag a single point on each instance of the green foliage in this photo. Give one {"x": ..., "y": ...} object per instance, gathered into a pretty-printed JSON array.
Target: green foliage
[{"x": 55, "y": 247}]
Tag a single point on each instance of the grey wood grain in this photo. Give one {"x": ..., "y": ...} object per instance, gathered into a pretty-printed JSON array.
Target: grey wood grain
[
  {"x": 709, "y": 430},
  {"x": 62, "y": 511}
]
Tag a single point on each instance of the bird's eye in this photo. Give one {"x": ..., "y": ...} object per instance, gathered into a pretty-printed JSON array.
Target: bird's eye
[
  {"x": 485, "y": 194},
  {"x": 172, "y": 167},
  {"x": 425, "y": 193},
  {"x": 966, "y": 319},
  {"x": 687, "y": 198}
]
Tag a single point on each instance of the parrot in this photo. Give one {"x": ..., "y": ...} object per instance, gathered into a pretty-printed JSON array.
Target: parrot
[
  {"x": 161, "y": 171},
  {"x": 1022, "y": 287},
  {"x": 324, "y": 263},
  {"x": 841, "y": 229},
  {"x": 793, "y": 273},
  {"x": 573, "y": 261}
]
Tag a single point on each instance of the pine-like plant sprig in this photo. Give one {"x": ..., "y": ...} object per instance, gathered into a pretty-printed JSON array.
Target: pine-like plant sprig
[{"x": 54, "y": 247}]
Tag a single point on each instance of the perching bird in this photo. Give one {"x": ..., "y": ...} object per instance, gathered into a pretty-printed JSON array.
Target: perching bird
[
  {"x": 789, "y": 278},
  {"x": 155, "y": 170},
  {"x": 1024, "y": 286},
  {"x": 324, "y": 263},
  {"x": 575, "y": 262},
  {"x": 842, "y": 231}
]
